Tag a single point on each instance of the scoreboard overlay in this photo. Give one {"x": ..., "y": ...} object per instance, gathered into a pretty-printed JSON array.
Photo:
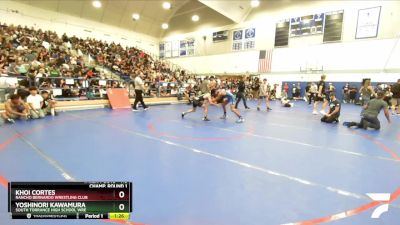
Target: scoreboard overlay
[{"x": 70, "y": 200}]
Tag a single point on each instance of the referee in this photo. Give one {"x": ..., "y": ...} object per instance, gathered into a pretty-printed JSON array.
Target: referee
[{"x": 139, "y": 88}]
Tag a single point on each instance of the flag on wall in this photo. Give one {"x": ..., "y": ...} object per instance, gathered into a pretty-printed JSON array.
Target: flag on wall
[{"x": 264, "y": 61}]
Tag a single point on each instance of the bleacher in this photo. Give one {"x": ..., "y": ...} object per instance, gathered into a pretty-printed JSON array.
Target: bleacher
[{"x": 78, "y": 71}]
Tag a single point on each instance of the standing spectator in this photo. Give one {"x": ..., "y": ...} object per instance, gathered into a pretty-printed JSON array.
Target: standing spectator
[
  {"x": 255, "y": 88},
  {"x": 396, "y": 97},
  {"x": 313, "y": 92},
  {"x": 212, "y": 84},
  {"x": 366, "y": 91},
  {"x": 321, "y": 96},
  {"x": 294, "y": 91},
  {"x": 139, "y": 88},
  {"x": 241, "y": 94},
  {"x": 204, "y": 87},
  {"x": 285, "y": 90},
  {"x": 346, "y": 93},
  {"x": 35, "y": 103},
  {"x": 298, "y": 91},
  {"x": 307, "y": 93},
  {"x": 263, "y": 94},
  {"x": 353, "y": 94}
]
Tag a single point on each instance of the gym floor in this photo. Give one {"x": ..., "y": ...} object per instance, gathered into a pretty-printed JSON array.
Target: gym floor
[{"x": 279, "y": 167}]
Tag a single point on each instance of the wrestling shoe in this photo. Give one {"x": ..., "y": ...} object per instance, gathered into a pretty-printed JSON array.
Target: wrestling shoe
[
  {"x": 349, "y": 124},
  {"x": 183, "y": 115},
  {"x": 258, "y": 108},
  {"x": 240, "y": 120},
  {"x": 322, "y": 112},
  {"x": 315, "y": 112},
  {"x": 10, "y": 120},
  {"x": 223, "y": 117},
  {"x": 205, "y": 119}
]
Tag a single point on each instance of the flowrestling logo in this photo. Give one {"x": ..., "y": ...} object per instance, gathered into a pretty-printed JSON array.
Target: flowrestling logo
[{"x": 383, "y": 197}]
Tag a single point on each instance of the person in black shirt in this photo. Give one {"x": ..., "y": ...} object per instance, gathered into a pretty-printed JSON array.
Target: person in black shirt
[
  {"x": 396, "y": 97},
  {"x": 346, "y": 93},
  {"x": 321, "y": 96},
  {"x": 307, "y": 94},
  {"x": 334, "y": 110},
  {"x": 353, "y": 94},
  {"x": 241, "y": 94},
  {"x": 255, "y": 87}
]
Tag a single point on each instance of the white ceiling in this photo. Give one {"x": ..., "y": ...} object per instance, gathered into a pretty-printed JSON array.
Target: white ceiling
[
  {"x": 119, "y": 13},
  {"x": 234, "y": 10}
]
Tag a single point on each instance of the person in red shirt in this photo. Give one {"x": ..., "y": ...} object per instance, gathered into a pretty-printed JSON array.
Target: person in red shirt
[
  {"x": 89, "y": 73},
  {"x": 285, "y": 89}
]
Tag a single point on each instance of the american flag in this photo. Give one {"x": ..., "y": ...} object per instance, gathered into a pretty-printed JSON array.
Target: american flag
[{"x": 264, "y": 61}]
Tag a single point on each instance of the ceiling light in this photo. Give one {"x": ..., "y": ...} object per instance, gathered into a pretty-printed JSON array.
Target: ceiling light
[
  {"x": 164, "y": 26},
  {"x": 254, "y": 3},
  {"x": 135, "y": 16},
  {"x": 166, "y": 5},
  {"x": 96, "y": 4},
  {"x": 195, "y": 18}
]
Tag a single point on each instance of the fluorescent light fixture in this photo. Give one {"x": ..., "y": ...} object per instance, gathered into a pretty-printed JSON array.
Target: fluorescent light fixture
[
  {"x": 254, "y": 3},
  {"x": 135, "y": 16},
  {"x": 96, "y": 4},
  {"x": 164, "y": 26},
  {"x": 166, "y": 5},
  {"x": 195, "y": 18}
]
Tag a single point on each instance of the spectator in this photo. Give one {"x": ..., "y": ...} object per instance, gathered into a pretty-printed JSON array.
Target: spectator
[
  {"x": 366, "y": 91},
  {"x": 395, "y": 89},
  {"x": 285, "y": 90},
  {"x": 353, "y": 94},
  {"x": 346, "y": 93},
  {"x": 241, "y": 94},
  {"x": 35, "y": 103},
  {"x": 204, "y": 87},
  {"x": 255, "y": 88},
  {"x": 49, "y": 104}
]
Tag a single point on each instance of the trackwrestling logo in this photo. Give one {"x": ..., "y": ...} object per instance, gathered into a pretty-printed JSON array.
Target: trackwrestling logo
[{"x": 384, "y": 197}]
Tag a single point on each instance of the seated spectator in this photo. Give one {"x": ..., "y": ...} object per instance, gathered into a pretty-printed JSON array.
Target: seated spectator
[
  {"x": 22, "y": 68},
  {"x": 35, "y": 103},
  {"x": 49, "y": 104},
  {"x": 15, "y": 108},
  {"x": 353, "y": 94},
  {"x": 23, "y": 91},
  {"x": 334, "y": 110},
  {"x": 54, "y": 72}
]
